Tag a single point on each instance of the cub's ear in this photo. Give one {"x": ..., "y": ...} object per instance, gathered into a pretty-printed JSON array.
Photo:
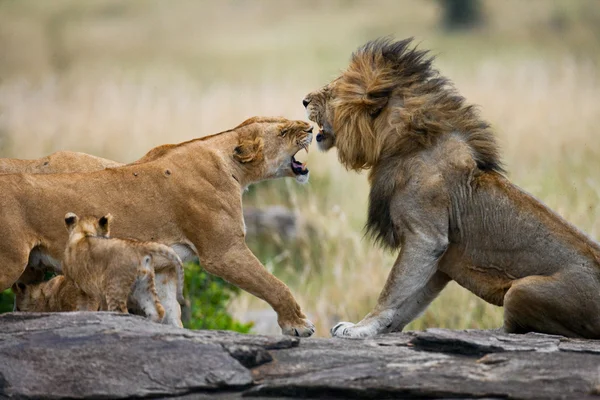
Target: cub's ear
[
  {"x": 249, "y": 150},
  {"x": 105, "y": 221},
  {"x": 104, "y": 225},
  {"x": 18, "y": 288},
  {"x": 70, "y": 220}
]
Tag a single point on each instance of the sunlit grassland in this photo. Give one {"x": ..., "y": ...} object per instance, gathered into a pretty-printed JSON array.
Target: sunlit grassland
[{"x": 117, "y": 78}]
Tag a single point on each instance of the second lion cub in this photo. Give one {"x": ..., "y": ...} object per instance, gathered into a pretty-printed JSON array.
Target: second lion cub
[{"x": 115, "y": 270}]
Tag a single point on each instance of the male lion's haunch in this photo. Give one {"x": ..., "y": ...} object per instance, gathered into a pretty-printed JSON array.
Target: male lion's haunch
[
  {"x": 187, "y": 196},
  {"x": 438, "y": 194}
]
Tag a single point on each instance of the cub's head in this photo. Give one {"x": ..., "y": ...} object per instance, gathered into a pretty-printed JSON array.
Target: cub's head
[
  {"x": 88, "y": 225},
  {"x": 30, "y": 297},
  {"x": 266, "y": 148}
]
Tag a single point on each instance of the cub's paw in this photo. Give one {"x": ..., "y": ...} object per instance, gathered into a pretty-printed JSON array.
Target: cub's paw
[
  {"x": 303, "y": 328},
  {"x": 349, "y": 330}
]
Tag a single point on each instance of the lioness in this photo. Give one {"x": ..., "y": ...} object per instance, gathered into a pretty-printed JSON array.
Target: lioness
[
  {"x": 59, "y": 162},
  {"x": 187, "y": 196},
  {"x": 439, "y": 195},
  {"x": 121, "y": 272}
]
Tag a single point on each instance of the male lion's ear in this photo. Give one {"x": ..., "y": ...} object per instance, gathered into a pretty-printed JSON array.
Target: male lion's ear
[
  {"x": 376, "y": 101},
  {"x": 249, "y": 150},
  {"x": 70, "y": 219}
]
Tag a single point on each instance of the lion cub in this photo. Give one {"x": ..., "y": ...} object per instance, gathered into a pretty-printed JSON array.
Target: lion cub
[
  {"x": 119, "y": 272},
  {"x": 58, "y": 294}
]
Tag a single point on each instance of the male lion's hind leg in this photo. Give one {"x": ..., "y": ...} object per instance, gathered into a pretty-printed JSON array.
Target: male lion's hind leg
[{"x": 567, "y": 303}]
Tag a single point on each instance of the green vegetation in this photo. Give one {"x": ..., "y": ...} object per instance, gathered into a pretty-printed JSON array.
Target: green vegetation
[
  {"x": 208, "y": 297},
  {"x": 6, "y": 301}
]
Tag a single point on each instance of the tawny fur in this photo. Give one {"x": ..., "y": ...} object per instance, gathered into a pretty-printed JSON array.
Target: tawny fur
[
  {"x": 108, "y": 269},
  {"x": 56, "y": 163},
  {"x": 439, "y": 195},
  {"x": 59, "y": 294},
  {"x": 187, "y": 196},
  {"x": 110, "y": 264}
]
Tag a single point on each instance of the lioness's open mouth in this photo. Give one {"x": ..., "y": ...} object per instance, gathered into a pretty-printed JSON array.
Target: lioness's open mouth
[{"x": 298, "y": 168}]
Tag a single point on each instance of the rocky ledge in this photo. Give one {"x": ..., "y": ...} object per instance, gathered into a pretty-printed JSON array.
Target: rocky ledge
[{"x": 106, "y": 355}]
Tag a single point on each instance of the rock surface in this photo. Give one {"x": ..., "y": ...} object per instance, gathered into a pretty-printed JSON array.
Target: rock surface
[{"x": 106, "y": 355}]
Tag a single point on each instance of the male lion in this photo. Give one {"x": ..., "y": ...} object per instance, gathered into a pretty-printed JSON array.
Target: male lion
[
  {"x": 118, "y": 272},
  {"x": 187, "y": 196},
  {"x": 438, "y": 194}
]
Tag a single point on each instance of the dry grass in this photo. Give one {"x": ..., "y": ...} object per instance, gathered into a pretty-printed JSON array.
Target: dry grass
[{"x": 115, "y": 79}]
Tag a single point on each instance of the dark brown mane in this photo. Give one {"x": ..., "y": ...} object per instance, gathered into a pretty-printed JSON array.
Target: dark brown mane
[
  {"x": 391, "y": 104},
  {"x": 396, "y": 81}
]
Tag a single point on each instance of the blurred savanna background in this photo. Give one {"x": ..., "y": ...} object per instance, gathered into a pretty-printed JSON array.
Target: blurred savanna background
[{"x": 114, "y": 78}]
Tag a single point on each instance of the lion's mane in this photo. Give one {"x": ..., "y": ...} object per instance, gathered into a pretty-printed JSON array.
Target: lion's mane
[{"x": 391, "y": 103}]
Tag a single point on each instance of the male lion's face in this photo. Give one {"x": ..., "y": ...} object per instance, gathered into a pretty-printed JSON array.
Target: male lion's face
[{"x": 318, "y": 110}]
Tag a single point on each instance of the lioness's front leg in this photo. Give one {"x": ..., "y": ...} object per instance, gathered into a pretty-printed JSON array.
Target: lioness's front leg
[
  {"x": 412, "y": 284},
  {"x": 240, "y": 267}
]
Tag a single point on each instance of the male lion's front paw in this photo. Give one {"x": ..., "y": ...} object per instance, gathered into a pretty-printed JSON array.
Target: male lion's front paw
[
  {"x": 304, "y": 328},
  {"x": 352, "y": 331}
]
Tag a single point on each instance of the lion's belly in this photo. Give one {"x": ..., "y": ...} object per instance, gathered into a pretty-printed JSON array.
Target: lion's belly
[{"x": 488, "y": 281}]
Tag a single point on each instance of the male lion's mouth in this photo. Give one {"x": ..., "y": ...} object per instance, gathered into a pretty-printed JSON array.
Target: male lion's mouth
[
  {"x": 322, "y": 134},
  {"x": 298, "y": 168}
]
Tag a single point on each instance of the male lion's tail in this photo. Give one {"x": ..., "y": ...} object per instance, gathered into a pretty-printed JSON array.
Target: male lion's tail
[{"x": 164, "y": 256}]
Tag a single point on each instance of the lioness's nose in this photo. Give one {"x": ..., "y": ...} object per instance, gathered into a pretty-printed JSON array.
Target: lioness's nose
[{"x": 306, "y": 102}]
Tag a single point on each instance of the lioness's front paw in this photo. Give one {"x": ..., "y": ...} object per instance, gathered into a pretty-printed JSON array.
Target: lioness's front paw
[
  {"x": 352, "y": 331},
  {"x": 304, "y": 328}
]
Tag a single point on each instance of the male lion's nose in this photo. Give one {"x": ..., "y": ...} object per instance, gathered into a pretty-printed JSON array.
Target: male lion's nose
[{"x": 306, "y": 102}]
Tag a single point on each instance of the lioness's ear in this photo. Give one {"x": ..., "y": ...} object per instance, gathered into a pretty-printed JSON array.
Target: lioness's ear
[
  {"x": 70, "y": 220},
  {"x": 249, "y": 150}
]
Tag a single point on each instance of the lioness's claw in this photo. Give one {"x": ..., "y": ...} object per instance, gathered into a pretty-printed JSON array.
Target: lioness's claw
[{"x": 304, "y": 329}]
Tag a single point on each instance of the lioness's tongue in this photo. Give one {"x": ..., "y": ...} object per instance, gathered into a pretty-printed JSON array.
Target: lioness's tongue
[{"x": 298, "y": 167}]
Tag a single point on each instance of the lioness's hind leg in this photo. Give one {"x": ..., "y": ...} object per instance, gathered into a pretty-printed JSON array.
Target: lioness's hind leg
[
  {"x": 144, "y": 292},
  {"x": 565, "y": 304},
  {"x": 13, "y": 262}
]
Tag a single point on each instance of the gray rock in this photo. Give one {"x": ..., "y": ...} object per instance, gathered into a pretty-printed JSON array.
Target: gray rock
[{"x": 107, "y": 355}]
